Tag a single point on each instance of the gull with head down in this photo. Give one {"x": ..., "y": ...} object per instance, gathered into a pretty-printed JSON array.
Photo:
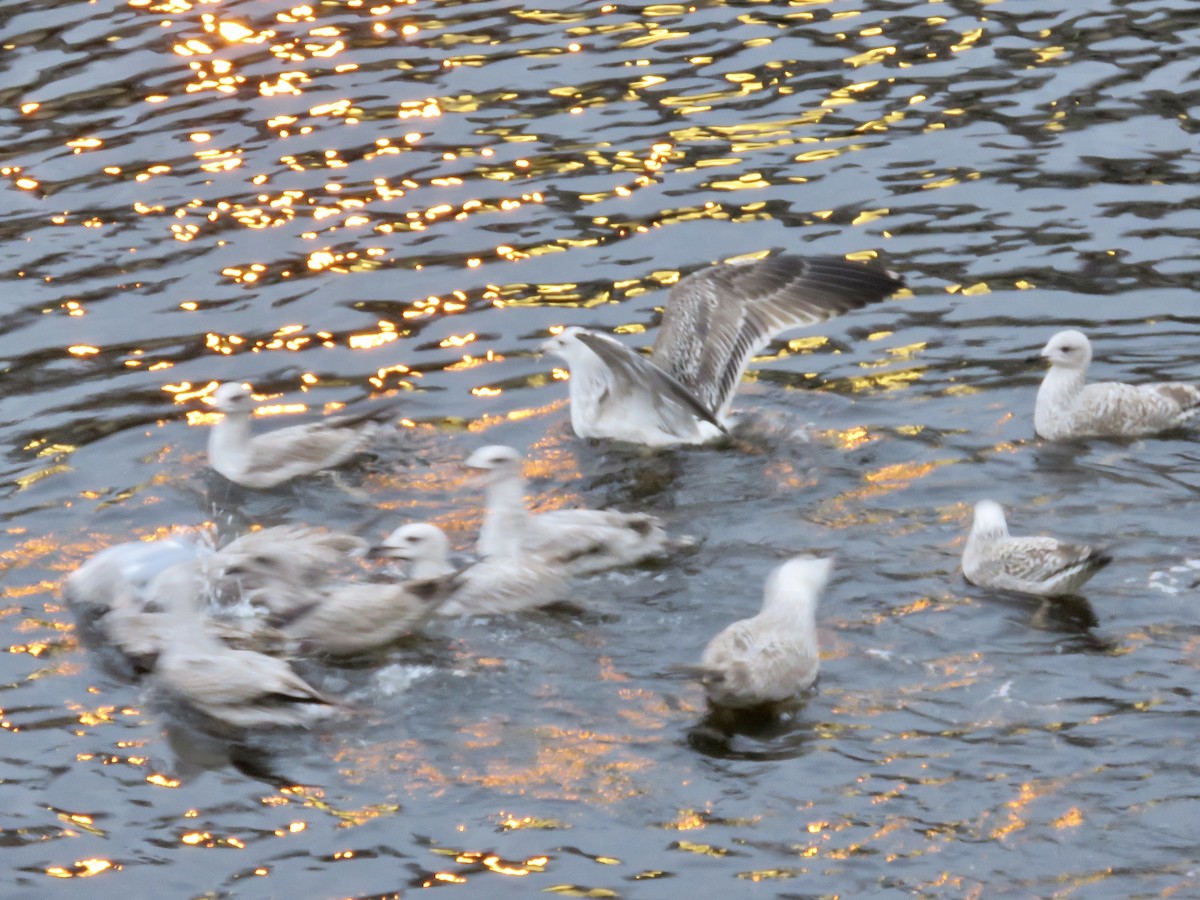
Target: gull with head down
[
  {"x": 1043, "y": 566},
  {"x": 769, "y": 660}
]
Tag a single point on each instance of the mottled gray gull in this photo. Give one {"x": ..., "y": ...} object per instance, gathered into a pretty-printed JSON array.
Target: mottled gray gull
[
  {"x": 493, "y": 586},
  {"x": 713, "y": 323},
  {"x": 270, "y": 459},
  {"x": 771, "y": 659},
  {"x": 581, "y": 541},
  {"x": 239, "y": 687},
  {"x": 1069, "y": 408},
  {"x": 1043, "y": 566}
]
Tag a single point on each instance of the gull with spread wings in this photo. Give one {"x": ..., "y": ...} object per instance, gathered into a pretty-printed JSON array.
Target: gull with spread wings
[{"x": 713, "y": 323}]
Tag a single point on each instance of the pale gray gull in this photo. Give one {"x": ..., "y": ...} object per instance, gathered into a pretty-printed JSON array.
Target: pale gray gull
[
  {"x": 1043, "y": 566},
  {"x": 270, "y": 459},
  {"x": 493, "y": 586},
  {"x": 713, "y": 323},
  {"x": 242, "y": 688},
  {"x": 1069, "y": 408},
  {"x": 768, "y": 661},
  {"x": 580, "y": 541},
  {"x": 356, "y": 617}
]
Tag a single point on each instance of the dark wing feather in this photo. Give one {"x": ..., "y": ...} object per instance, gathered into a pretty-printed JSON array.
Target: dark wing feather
[
  {"x": 633, "y": 373},
  {"x": 715, "y": 320}
]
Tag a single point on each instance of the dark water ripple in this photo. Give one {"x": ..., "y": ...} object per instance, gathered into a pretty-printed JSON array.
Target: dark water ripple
[{"x": 355, "y": 199}]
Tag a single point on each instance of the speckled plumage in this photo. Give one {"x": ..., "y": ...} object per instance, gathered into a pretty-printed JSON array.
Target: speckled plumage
[
  {"x": 1067, "y": 407},
  {"x": 579, "y": 541},
  {"x": 713, "y": 323},
  {"x": 771, "y": 659},
  {"x": 270, "y": 459},
  {"x": 1043, "y": 566}
]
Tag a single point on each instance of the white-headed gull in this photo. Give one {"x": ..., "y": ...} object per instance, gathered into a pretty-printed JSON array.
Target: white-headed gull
[
  {"x": 270, "y": 459},
  {"x": 493, "y": 586},
  {"x": 1067, "y": 407},
  {"x": 580, "y": 541}
]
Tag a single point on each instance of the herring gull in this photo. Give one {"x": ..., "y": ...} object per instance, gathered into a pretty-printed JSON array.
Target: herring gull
[
  {"x": 270, "y": 459},
  {"x": 1043, "y": 566},
  {"x": 1069, "y": 408},
  {"x": 713, "y": 323},
  {"x": 769, "y": 660},
  {"x": 242, "y": 688},
  {"x": 581, "y": 541},
  {"x": 493, "y": 586}
]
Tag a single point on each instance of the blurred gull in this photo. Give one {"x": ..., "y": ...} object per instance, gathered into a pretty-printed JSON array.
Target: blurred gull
[
  {"x": 1069, "y": 408},
  {"x": 278, "y": 456},
  {"x": 580, "y": 541},
  {"x": 713, "y": 323},
  {"x": 771, "y": 659},
  {"x": 492, "y": 586},
  {"x": 356, "y": 617},
  {"x": 239, "y": 687},
  {"x": 279, "y": 569},
  {"x": 275, "y": 573},
  {"x": 1043, "y": 566}
]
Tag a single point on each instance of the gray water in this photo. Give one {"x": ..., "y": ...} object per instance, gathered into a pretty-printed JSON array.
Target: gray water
[{"x": 361, "y": 199}]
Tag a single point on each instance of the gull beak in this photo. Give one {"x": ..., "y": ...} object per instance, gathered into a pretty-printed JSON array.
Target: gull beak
[{"x": 383, "y": 551}]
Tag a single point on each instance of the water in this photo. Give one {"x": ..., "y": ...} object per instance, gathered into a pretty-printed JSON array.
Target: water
[{"x": 351, "y": 199}]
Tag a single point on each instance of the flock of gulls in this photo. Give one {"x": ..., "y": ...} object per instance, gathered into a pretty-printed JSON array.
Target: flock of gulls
[{"x": 219, "y": 628}]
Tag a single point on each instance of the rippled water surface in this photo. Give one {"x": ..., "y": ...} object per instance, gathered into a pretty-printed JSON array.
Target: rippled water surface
[{"x": 351, "y": 199}]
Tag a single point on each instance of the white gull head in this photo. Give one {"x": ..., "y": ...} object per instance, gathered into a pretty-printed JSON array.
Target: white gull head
[
  {"x": 232, "y": 397},
  {"x": 989, "y": 520},
  {"x": 1068, "y": 349},
  {"x": 797, "y": 584},
  {"x": 495, "y": 462},
  {"x": 425, "y": 546}
]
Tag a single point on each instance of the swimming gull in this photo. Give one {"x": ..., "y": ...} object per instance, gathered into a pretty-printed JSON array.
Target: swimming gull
[
  {"x": 769, "y": 660},
  {"x": 1043, "y": 566},
  {"x": 355, "y": 617},
  {"x": 492, "y": 586},
  {"x": 1069, "y": 408},
  {"x": 278, "y": 456},
  {"x": 581, "y": 541},
  {"x": 713, "y": 323},
  {"x": 242, "y": 688}
]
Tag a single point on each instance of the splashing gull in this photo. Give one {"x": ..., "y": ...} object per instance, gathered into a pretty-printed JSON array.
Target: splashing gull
[
  {"x": 1069, "y": 408},
  {"x": 771, "y": 659},
  {"x": 1043, "y": 566},
  {"x": 581, "y": 541},
  {"x": 239, "y": 687},
  {"x": 713, "y": 323},
  {"x": 278, "y": 456},
  {"x": 492, "y": 586}
]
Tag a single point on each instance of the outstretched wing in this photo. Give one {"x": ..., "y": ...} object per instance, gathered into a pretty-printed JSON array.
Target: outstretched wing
[
  {"x": 715, "y": 320},
  {"x": 633, "y": 375}
]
